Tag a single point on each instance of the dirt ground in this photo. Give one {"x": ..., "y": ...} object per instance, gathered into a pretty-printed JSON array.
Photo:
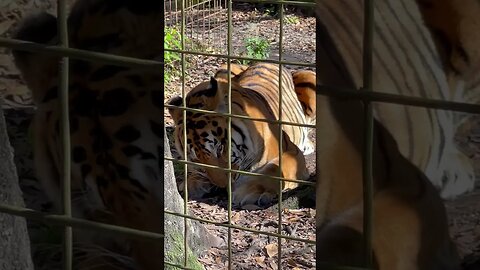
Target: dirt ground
[{"x": 249, "y": 250}]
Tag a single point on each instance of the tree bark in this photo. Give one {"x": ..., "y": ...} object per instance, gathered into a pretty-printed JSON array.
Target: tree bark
[
  {"x": 198, "y": 239},
  {"x": 14, "y": 240}
]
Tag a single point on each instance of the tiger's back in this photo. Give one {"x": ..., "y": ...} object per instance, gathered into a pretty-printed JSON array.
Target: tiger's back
[{"x": 263, "y": 78}]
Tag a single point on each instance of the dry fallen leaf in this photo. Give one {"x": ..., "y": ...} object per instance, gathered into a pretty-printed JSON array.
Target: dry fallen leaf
[
  {"x": 261, "y": 261},
  {"x": 236, "y": 217},
  {"x": 273, "y": 265},
  {"x": 291, "y": 262},
  {"x": 272, "y": 249}
]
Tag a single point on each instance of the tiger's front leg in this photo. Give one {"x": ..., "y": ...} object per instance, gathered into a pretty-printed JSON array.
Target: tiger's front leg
[{"x": 262, "y": 190}]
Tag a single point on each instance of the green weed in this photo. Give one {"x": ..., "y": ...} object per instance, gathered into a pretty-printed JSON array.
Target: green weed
[
  {"x": 172, "y": 60},
  {"x": 257, "y": 47}
]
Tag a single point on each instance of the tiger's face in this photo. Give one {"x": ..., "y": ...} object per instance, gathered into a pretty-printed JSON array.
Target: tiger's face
[{"x": 206, "y": 137}]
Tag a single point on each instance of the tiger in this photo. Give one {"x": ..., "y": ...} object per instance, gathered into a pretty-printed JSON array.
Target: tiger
[
  {"x": 255, "y": 144},
  {"x": 115, "y": 132},
  {"x": 409, "y": 220},
  {"x": 407, "y": 60}
]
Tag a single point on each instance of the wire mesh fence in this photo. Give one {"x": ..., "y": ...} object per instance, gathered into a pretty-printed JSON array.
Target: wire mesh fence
[
  {"x": 205, "y": 22},
  {"x": 176, "y": 13}
]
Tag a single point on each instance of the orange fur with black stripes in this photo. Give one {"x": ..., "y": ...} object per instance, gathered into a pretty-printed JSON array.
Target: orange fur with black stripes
[
  {"x": 454, "y": 25},
  {"x": 255, "y": 144},
  {"x": 115, "y": 132},
  {"x": 406, "y": 61},
  {"x": 409, "y": 224},
  {"x": 303, "y": 81}
]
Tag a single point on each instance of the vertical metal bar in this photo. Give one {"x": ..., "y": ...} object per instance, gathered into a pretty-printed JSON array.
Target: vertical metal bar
[
  {"x": 191, "y": 12},
  {"x": 185, "y": 166},
  {"x": 204, "y": 30},
  {"x": 368, "y": 134},
  {"x": 176, "y": 11},
  {"x": 229, "y": 128},
  {"x": 209, "y": 38},
  {"x": 280, "y": 134},
  {"x": 65, "y": 130}
]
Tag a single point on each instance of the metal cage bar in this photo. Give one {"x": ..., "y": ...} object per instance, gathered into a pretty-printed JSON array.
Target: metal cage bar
[
  {"x": 368, "y": 134},
  {"x": 185, "y": 166},
  {"x": 229, "y": 135},
  {"x": 280, "y": 135},
  {"x": 65, "y": 133},
  {"x": 72, "y": 53}
]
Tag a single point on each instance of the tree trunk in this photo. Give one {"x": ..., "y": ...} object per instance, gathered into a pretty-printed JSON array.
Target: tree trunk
[
  {"x": 198, "y": 239},
  {"x": 14, "y": 241}
]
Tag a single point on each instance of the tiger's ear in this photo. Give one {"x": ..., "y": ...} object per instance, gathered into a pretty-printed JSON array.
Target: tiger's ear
[
  {"x": 37, "y": 69},
  {"x": 219, "y": 92},
  {"x": 220, "y": 88},
  {"x": 235, "y": 70},
  {"x": 174, "y": 112},
  {"x": 209, "y": 95}
]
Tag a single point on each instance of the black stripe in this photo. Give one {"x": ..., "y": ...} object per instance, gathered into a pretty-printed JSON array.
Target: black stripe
[
  {"x": 349, "y": 29},
  {"x": 238, "y": 130},
  {"x": 238, "y": 104},
  {"x": 430, "y": 48},
  {"x": 442, "y": 140},
  {"x": 306, "y": 85},
  {"x": 210, "y": 92},
  {"x": 106, "y": 72},
  {"x": 420, "y": 85},
  {"x": 395, "y": 56},
  {"x": 420, "y": 53},
  {"x": 51, "y": 94},
  {"x": 410, "y": 128},
  {"x": 101, "y": 43}
]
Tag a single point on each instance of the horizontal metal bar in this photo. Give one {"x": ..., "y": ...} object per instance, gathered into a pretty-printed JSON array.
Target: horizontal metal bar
[
  {"x": 178, "y": 266},
  {"x": 308, "y": 183},
  {"x": 243, "y": 58},
  {"x": 376, "y": 96},
  {"x": 59, "y": 51},
  {"x": 61, "y": 220},
  {"x": 204, "y": 18},
  {"x": 279, "y": 2},
  {"x": 216, "y": 25},
  {"x": 196, "y": 5},
  {"x": 240, "y": 116},
  {"x": 221, "y": 224},
  {"x": 330, "y": 266}
]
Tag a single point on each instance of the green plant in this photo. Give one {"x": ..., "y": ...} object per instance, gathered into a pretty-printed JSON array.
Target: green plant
[
  {"x": 172, "y": 40},
  {"x": 292, "y": 19},
  {"x": 257, "y": 47}
]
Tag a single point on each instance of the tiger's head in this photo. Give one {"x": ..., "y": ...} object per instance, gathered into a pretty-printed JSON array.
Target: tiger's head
[{"x": 207, "y": 135}]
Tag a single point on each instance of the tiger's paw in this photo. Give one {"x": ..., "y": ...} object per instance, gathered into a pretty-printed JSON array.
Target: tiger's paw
[
  {"x": 198, "y": 185},
  {"x": 458, "y": 175},
  {"x": 309, "y": 148},
  {"x": 249, "y": 194}
]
